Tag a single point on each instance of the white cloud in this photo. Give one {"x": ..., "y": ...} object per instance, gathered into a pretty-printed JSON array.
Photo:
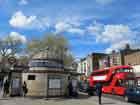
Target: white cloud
[
  {"x": 104, "y": 2},
  {"x": 18, "y": 37},
  {"x": 19, "y": 20},
  {"x": 23, "y": 2},
  {"x": 118, "y": 36},
  {"x": 118, "y": 46},
  {"x": 67, "y": 27},
  {"x": 96, "y": 28},
  {"x": 114, "y": 35},
  {"x": 110, "y": 33},
  {"x": 75, "y": 20},
  {"x": 62, "y": 26},
  {"x": 76, "y": 30}
]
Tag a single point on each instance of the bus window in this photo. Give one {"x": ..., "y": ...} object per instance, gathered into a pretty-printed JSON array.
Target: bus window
[
  {"x": 129, "y": 83},
  {"x": 124, "y": 70}
]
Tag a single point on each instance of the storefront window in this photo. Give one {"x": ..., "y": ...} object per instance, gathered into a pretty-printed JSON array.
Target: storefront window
[
  {"x": 31, "y": 77},
  {"x": 55, "y": 82}
]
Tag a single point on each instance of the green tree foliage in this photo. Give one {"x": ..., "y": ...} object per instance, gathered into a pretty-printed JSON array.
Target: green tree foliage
[
  {"x": 9, "y": 46},
  {"x": 57, "y": 45}
]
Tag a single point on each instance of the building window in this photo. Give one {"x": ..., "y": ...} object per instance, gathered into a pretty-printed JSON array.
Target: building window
[
  {"x": 55, "y": 82},
  {"x": 84, "y": 67},
  {"x": 31, "y": 77}
]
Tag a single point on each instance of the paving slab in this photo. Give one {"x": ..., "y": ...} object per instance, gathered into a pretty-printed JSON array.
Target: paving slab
[{"x": 83, "y": 99}]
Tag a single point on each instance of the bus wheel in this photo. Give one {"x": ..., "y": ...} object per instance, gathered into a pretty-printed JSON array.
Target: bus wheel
[{"x": 113, "y": 92}]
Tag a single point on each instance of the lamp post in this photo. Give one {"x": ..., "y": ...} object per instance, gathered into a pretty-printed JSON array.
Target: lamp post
[{"x": 12, "y": 62}]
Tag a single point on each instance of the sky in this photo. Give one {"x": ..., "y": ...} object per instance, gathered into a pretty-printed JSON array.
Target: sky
[{"x": 88, "y": 25}]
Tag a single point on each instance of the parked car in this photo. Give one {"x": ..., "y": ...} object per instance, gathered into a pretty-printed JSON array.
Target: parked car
[
  {"x": 132, "y": 93},
  {"x": 83, "y": 86}
]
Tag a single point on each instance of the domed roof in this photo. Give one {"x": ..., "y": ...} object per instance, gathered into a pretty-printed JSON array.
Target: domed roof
[
  {"x": 48, "y": 55},
  {"x": 46, "y": 60}
]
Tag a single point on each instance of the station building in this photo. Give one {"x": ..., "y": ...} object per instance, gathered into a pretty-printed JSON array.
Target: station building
[{"x": 47, "y": 76}]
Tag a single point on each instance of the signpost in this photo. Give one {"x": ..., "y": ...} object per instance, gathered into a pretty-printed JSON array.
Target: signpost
[{"x": 12, "y": 60}]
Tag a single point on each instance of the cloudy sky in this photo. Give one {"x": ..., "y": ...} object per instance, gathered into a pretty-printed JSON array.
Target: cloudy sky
[{"x": 89, "y": 25}]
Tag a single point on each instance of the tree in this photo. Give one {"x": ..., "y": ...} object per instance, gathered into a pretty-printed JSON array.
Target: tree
[
  {"x": 127, "y": 46},
  {"x": 9, "y": 47},
  {"x": 56, "y": 46},
  {"x": 24, "y": 60},
  {"x": 69, "y": 60}
]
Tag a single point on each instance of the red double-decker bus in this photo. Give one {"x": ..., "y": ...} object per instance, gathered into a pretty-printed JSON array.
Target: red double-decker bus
[{"x": 114, "y": 79}]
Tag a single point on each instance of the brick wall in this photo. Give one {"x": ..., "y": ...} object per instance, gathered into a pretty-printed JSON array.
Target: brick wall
[{"x": 132, "y": 59}]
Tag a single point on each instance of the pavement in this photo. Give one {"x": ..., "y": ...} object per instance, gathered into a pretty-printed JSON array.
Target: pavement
[{"x": 83, "y": 99}]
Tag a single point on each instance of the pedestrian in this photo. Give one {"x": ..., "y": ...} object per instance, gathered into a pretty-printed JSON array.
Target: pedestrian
[
  {"x": 6, "y": 88},
  {"x": 24, "y": 89},
  {"x": 1, "y": 84},
  {"x": 70, "y": 88},
  {"x": 99, "y": 91},
  {"x": 1, "y": 88},
  {"x": 74, "y": 88}
]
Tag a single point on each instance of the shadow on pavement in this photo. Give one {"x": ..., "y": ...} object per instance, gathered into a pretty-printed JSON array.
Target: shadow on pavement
[
  {"x": 61, "y": 98},
  {"x": 108, "y": 103},
  {"x": 80, "y": 96},
  {"x": 137, "y": 103},
  {"x": 4, "y": 99}
]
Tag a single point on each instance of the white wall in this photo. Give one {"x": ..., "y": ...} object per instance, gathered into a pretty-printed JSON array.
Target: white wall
[
  {"x": 38, "y": 86},
  {"x": 136, "y": 68},
  {"x": 85, "y": 66},
  {"x": 90, "y": 65},
  {"x": 79, "y": 67}
]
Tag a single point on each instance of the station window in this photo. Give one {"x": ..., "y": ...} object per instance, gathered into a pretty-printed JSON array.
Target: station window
[{"x": 31, "y": 77}]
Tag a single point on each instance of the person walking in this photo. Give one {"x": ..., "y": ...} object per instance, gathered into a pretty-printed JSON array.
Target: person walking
[
  {"x": 24, "y": 89},
  {"x": 6, "y": 88},
  {"x": 99, "y": 91},
  {"x": 70, "y": 88},
  {"x": 1, "y": 88}
]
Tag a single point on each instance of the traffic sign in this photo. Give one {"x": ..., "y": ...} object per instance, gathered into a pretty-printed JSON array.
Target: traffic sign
[{"x": 12, "y": 60}]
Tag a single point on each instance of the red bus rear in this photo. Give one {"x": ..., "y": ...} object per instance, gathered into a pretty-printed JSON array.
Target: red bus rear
[{"x": 114, "y": 79}]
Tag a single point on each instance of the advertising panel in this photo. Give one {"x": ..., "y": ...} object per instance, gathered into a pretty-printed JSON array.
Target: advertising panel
[{"x": 54, "y": 83}]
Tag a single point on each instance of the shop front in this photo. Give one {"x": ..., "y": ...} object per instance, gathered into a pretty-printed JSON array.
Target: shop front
[{"x": 46, "y": 83}]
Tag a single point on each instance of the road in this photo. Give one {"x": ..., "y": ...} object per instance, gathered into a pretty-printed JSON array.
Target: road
[{"x": 83, "y": 99}]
